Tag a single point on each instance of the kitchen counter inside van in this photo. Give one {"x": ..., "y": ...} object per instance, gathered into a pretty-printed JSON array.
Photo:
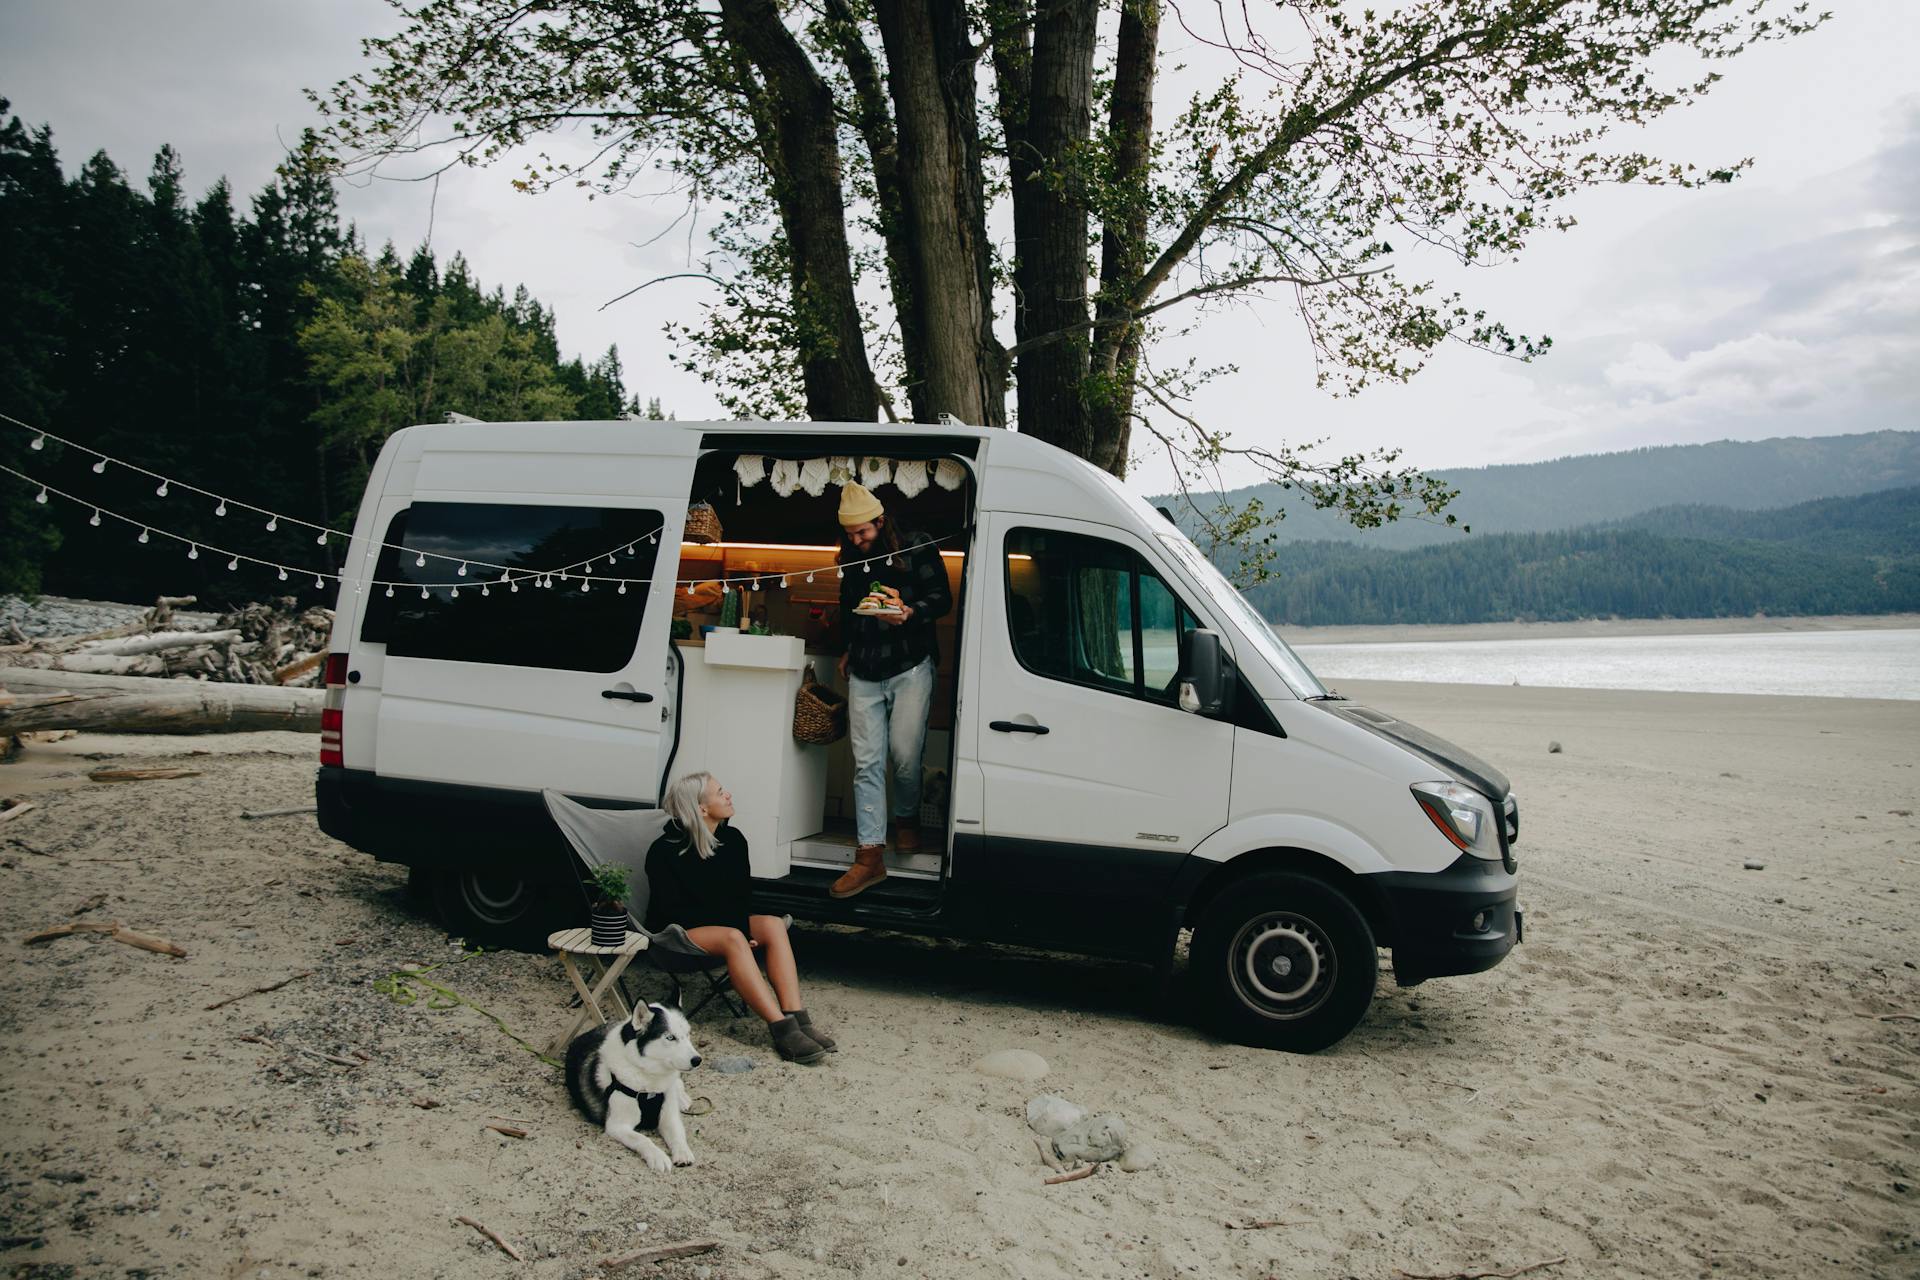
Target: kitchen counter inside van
[{"x": 738, "y": 693}]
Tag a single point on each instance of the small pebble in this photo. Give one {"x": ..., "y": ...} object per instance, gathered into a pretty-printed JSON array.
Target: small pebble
[
  {"x": 1754, "y": 864},
  {"x": 1012, "y": 1064},
  {"x": 1553, "y": 748}
]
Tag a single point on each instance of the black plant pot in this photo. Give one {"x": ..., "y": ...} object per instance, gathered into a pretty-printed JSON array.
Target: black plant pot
[{"x": 609, "y": 926}]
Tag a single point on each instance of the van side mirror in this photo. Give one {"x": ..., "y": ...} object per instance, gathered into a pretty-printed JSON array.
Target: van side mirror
[{"x": 1203, "y": 673}]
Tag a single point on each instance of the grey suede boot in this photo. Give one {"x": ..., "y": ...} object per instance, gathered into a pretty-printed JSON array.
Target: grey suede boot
[
  {"x": 793, "y": 1043},
  {"x": 820, "y": 1037}
]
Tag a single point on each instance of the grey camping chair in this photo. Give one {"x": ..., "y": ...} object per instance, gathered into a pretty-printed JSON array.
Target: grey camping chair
[{"x": 622, "y": 837}]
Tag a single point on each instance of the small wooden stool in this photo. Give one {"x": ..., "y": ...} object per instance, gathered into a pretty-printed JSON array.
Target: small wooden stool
[{"x": 567, "y": 944}]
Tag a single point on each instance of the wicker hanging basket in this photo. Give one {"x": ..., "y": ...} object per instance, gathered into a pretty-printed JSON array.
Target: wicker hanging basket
[
  {"x": 819, "y": 714},
  {"x": 703, "y": 523}
]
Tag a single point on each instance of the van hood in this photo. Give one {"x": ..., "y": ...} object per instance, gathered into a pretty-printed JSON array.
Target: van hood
[{"x": 1459, "y": 763}]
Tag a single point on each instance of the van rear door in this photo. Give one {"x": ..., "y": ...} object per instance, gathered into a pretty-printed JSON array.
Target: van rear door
[{"x": 513, "y": 657}]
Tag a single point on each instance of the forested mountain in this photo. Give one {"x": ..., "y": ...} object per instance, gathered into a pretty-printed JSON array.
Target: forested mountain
[
  {"x": 262, "y": 353},
  {"x": 1569, "y": 493},
  {"x": 1851, "y": 555}
]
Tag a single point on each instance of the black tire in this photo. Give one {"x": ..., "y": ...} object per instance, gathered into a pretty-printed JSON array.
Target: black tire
[
  {"x": 1283, "y": 961},
  {"x": 496, "y": 907}
]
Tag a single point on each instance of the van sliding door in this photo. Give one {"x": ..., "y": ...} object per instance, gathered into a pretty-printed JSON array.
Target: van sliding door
[{"x": 526, "y": 631}]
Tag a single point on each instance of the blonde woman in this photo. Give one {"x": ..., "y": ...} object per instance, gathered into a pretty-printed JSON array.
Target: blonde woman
[{"x": 699, "y": 879}]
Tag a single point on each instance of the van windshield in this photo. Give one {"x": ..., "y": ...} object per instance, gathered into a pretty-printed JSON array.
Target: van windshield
[{"x": 1299, "y": 679}]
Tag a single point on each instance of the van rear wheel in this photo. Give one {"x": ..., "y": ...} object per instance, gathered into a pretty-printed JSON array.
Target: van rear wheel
[
  {"x": 495, "y": 907},
  {"x": 1284, "y": 961}
]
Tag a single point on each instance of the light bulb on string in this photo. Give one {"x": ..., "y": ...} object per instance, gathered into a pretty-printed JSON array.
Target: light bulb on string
[
  {"x": 39, "y": 441},
  {"x": 283, "y": 573},
  {"x": 143, "y": 536},
  {"x": 756, "y": 584},
  {"x": 319, "y": 581},
  {"x": 783, "y": 581},
  {"x": 623, "y": 586},
  {"x": 585, "y": 586},
  {"x": 454, "y": 594},
  {"x": 41, "y": 497},
  {"x": 889, "y": 562},
  {"x": 484, "y": 591},
  {"x": 420, "y": 559},
  {"x": 689, "y": 588},
  {"x": 514, "y": 585},
  {"x": 651, "y": 539},
  {"x": 463, "y": 568},
  {"x": 423, "y": 593},
  {"x": 321, "y": 541},
  {"x": 100, "y": 467},
  {"x": 95, "y": 522},
  {"x": 193, "y": 551},
  {"x": 389, "y": 591},
  {"x": 839, "y": 572},
  {"x": 273, "y": 523},
  {"x": 563, "y": 577},
  {"x": 221, "y": 510},
  {"x": 587, "y": 569},
  {"x": 162, "y": 490},
  {"x": 233, "y": 564},
  {"x": 609, "y": 557},
  {"x": 809, "y": 577}
]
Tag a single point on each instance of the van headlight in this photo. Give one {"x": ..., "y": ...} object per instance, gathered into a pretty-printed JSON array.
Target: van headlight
[{"x": 1463, "y": 815}]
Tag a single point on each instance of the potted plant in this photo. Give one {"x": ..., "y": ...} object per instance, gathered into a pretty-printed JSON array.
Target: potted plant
[{"x": 609, "y": 888}]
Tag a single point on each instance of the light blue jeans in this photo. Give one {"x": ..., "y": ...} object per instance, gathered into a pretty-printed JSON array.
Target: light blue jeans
[{"x": 888, "y": 719}]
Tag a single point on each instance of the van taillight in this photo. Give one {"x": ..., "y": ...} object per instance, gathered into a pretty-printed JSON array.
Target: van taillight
[{"x": 333, "y": 714}]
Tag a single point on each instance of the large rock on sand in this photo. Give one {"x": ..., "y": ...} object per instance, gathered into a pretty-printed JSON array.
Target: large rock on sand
[{"x": 1012, "y": 1064}]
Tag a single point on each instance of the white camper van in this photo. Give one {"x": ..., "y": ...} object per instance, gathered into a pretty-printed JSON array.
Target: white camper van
[{"x": 1119, "y": 747}]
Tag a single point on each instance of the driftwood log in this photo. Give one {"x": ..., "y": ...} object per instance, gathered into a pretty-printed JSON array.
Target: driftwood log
[{"x": 133, "y": 704}]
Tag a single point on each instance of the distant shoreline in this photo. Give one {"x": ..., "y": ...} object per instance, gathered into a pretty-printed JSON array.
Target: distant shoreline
[{"x": 1590, "y": 628}]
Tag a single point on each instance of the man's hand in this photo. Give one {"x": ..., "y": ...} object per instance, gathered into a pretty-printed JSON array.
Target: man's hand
[
  {"x": 893, "y": 598},
  {"x": 842, "y": 666}
]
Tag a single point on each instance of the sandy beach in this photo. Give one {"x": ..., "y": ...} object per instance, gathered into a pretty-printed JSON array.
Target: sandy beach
[{"x": 1689, "y": 1069}]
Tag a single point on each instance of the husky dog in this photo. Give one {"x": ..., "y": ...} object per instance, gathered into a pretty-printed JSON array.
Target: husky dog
[{"x": 625, "y": 1076}]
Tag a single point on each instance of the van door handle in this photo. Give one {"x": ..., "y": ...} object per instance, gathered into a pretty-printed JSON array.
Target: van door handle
[
  {"x": 1014, "y": 726},
  {"x": 628, "y": 694}
]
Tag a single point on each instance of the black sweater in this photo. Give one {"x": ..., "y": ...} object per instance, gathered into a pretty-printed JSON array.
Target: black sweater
[{"x": 688, "y": 890}]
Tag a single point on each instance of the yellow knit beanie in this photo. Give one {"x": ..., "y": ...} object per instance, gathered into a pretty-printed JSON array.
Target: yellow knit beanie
[{"x": 858, "y": 506}]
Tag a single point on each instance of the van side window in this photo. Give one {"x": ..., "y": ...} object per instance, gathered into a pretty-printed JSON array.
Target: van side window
[
  {"x": 558, "y": 627},
  {"x": 1092, "y": 612}
]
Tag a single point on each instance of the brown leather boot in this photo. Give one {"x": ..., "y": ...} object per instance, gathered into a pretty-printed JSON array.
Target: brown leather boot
[
  {"x": 906, "y": 835},
  {"x": 869, "y": 868}
]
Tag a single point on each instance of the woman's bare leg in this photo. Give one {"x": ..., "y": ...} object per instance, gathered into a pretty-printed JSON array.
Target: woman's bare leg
[
  {"x": 720, "y": 940},
  {"x": 771, "y": 933}
]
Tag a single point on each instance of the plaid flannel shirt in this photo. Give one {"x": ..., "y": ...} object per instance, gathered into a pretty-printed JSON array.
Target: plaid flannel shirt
[{"x": 878, "y": 650}]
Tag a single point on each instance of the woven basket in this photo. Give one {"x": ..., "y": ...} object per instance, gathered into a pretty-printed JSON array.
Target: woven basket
[
  {"x": 703, "y": 523},
  {"x": 819, "y": 714}
]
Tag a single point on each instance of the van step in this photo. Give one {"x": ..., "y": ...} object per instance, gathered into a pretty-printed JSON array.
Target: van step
[
  {"x": 804, "y": 891},
  {"x": 830, "y": 851}
]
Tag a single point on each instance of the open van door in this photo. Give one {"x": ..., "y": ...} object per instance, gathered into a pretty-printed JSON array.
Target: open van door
[
  {"x": 1096, "y": 783},
  {"x": 511, "y": 657}
]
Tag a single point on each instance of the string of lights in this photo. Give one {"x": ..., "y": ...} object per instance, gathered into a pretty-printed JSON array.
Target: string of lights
[
  {"x": 509, "y": 578},
  {"x": 275, "y": 519}
]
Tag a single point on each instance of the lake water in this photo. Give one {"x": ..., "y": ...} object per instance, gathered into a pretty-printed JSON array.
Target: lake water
[{"x": 1828, "y": 664}]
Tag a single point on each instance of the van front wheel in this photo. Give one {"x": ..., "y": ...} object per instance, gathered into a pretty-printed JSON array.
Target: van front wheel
[
  {"x": 1284, "y": 961},
  {"x": 496, "y": 908}
]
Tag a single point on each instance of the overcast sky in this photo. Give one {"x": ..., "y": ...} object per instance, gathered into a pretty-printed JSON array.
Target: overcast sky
[{"x": 1785, "y": 304}]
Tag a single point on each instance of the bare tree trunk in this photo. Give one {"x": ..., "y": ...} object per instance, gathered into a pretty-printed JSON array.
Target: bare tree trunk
[
  {"x": 130, "y": 704},
  {"x": 805, "y": 161},
  {"x": 1123, "y": 254},
  {"x": 930, "y": 63},
  {"x": 1046, "y": 142}
]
